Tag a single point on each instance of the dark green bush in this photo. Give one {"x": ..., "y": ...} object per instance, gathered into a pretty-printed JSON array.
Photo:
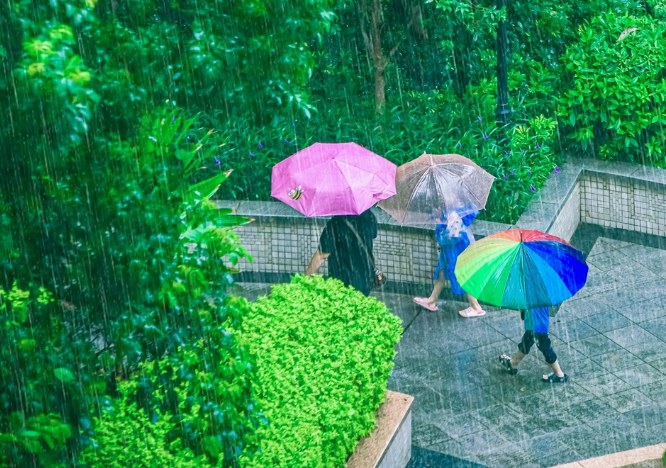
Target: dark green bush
[
  {"x": 617, "y": 100},
  {"x": 324, "y": 354},
  {"x": 521, "y": 165}
]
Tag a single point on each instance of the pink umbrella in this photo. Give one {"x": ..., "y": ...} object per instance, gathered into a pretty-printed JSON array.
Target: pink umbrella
[{"x": 328, "y": 179}]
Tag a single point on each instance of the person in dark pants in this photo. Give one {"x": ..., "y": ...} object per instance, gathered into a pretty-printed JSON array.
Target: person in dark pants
[
  {"x": 346, "y": 242},
  {"x": 536, "y": 330}
]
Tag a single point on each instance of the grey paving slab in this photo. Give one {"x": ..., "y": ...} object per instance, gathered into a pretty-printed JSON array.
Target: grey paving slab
[
  {"x": 426, "y": 434},
  {"x": 449, "y": 447},
  {"x": 649, "y": 352},
  {"x": 458, "y": 425},
  {"x": 572, "y": 330},
  {"x": 627, "y": 400},
  {"x": 604, "y": 384},
  {"x": 621, "y": 297},
  {"x": 644, "y": 311},
  {"x": 507, "y": 455},
  {"x": 655, "y": 392},
  {"x": 597, "y": 344},
  {"x": 615, "y": 361},
  {"x": 656, "y": 326},
  {"x": 648, "y": 417},
  {"x": 401, "y": 305},
  {"x": 640, "y": 375},
  {"x": 607, "y": 321},
  {"x": 586, "y": 302},
  {"x": 631, "y": 335}
]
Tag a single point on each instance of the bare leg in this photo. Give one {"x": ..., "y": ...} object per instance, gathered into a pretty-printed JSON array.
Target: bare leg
[
  {"x": 437, "y": 289},
  {"x": 557, "y": 369},
  {"x": 515, "y": 360},
  {"x": 474, "y": 303}
]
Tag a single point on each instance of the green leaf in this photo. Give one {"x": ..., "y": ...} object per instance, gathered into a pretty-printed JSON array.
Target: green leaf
[
  {"x": 63, "y": 374},
  {"x": 207, "y": 188},
  {"x": 212, "y": 446}
]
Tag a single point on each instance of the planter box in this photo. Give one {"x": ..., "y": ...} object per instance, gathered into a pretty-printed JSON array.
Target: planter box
[
  {"x": 390, "y": 444},
  {"x": 645, "y": 457}
]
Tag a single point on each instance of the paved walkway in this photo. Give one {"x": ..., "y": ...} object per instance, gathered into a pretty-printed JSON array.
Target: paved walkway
[{"x": 609, "y": 339}]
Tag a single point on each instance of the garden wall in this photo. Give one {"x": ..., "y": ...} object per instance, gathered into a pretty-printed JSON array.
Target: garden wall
[
  {"x": 624, "y": 203},
  {"x": 282, "y": 241},
  {"x": 614, "y": 195}
]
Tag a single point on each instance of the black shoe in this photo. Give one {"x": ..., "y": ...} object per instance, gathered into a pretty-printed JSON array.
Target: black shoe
[
  {"x": 506, "y": 362},
  {"x": 552, "y": 378}
]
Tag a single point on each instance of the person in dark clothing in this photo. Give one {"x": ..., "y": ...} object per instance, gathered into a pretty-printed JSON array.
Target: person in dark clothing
[
  {"x": 346, "y": 242},
  {"x": 536, "y": 321}
]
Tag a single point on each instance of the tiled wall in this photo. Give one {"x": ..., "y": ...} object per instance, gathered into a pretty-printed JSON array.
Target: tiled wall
[
  {"x": 286, "y": 246},
  {"x": 622, "y": 202}
]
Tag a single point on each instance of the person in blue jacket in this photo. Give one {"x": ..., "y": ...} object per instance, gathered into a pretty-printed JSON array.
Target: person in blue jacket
[{"x": 452, "y": 237}]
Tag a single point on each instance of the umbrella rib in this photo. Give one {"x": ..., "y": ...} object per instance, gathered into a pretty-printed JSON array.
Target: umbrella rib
[
  {"x": 349, "y": 182},
  {"x": 460, "y": 181},
  {"x": 411, "y": 195}
]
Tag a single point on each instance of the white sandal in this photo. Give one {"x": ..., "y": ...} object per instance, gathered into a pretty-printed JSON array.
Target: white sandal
[{"x": 470, "y": 312}]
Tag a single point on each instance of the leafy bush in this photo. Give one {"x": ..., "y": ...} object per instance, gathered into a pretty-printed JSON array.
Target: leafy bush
[
  {"x": 36, "y": 422},
  {"x": 521, "y": 164},
  {"x": 616, "y": 102},
  {"x": 140, "y": 267},
  {"x": 324, "y": 354},
  {"x": 125, "y": 436}
]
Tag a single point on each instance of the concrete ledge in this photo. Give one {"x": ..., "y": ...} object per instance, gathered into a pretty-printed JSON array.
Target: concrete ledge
[
  {"x": 269, "y": 211},
  {"x": 390, "y": 444},
  {"x": 645, "y": 457}
]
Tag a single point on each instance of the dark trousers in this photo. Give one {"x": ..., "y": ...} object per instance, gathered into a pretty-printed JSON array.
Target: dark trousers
[{"x": 543, "y": 343}]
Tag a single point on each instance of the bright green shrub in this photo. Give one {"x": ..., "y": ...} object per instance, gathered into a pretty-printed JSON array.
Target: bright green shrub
[
  {"x": 125, "y": 437},
  {"x": 324, "y": 354},
  {"x": 618, "y": 93}
]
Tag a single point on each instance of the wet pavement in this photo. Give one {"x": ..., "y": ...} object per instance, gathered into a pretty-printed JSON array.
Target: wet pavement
[{"x": 609, "y": 339}]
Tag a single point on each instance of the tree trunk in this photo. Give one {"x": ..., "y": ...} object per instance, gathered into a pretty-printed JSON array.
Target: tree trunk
[
  {"x": 416, "y": 21},
  {"x": 373, "y": 43},
  {"x": 502, "y": 72}
]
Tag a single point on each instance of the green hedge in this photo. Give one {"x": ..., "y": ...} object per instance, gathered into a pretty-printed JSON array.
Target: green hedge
[{"x": 324, "y": 354}]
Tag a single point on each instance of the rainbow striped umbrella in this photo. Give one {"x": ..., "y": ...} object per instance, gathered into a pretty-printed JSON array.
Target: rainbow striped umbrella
[{"x": 521, "y": 269}]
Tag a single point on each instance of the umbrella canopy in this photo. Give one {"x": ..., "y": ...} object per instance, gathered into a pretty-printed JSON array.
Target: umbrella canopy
[
  {"x": 431, "y": 186},
  {"x": 521, "y": 269},
  {"x": 328, "y": 179}
]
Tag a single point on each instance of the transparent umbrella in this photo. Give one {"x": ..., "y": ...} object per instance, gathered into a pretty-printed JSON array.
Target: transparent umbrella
[{"x": 431, "y": 186}]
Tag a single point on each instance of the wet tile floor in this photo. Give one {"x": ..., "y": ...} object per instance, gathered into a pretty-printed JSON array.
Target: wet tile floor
[{"x": 610, "y": 340}]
